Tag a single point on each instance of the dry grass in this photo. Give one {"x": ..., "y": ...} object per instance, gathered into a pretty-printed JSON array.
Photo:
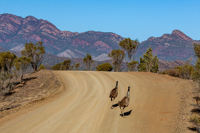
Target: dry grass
[
  {"x": 172, "y": 72},
  {"x": 35, "y": 86}
]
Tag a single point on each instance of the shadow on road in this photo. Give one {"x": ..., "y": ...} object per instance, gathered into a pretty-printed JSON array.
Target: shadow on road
[
  {"x": 192, "y": 128},
  {"x": 127, "y": 113},
  {"x": 115, "y": 105}
]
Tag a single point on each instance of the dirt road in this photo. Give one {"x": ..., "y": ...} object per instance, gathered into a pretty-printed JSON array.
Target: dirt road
[{"x": 85, "y": 105}]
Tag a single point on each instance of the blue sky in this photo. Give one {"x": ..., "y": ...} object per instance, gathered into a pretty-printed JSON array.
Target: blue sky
[{"x": 128, "y": 18}]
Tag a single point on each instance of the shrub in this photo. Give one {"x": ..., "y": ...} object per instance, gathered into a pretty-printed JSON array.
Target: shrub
[
  {"x": 196, "y": 72},
  {"x": 185, "y": 71},
  {"x": 172, "y": 72},
  {"x": 41, "y": 67},
  {"x": 148, "y": 63},
  {"x": 57, "y": 66},
  {"x": 65, "y": 65},
  {"x": 195, "y": 119},
  {"x": 104, "y": 67}
]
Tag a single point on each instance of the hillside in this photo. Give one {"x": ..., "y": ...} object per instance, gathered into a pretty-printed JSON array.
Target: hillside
[{"x": 169, "y": 47}]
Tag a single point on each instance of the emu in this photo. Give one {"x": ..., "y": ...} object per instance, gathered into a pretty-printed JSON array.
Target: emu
[
  {"x": 114, "y": 93},
  {"x": 125, "y": 101}
]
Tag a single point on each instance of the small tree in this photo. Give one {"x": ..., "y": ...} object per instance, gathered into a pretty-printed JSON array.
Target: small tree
[
  {"x": 196, "y": 73},
  {"x": 148, "y": 62},
  {"x": 117, "y": 57},
  {"x": 85, "y": 61},
  {"x": 57, "y": 66},
  {"x": 77, "y": 65},
  {"x": 142, "y": 65},
  {"x": 104, "y": 67},
  {"x": 22, "y": 64},
  {"x": 35, "y": 52},
  {"x": 155, "y": 66},
  {"x": 130, "y": 47},
  {"x": 41, "y": 67},
  {"x": 71, "y": 67},
  {"x": 197, "y": 49},
  {"x": 66, "y": 65},
  {"x": 132, "y": 65},
  {"x": 88, "y": 61},
  {"x": 6, "y": 71}
]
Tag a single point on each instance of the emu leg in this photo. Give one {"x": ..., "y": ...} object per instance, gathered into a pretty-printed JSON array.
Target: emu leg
[
  {"x": 123, "y": 111},
  {"x": 111, "y": 104},
  {"x": 120, "y": 109}
]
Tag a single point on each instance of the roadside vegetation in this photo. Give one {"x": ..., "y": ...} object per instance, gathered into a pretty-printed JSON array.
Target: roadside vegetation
[
  {"x": 130, "y": 48},
  {"x": 148, "y": 63},
  {"x": 65, "y": 65},
  {"x": 12, "y": 68},
  {"x": 88, "y": 61},
  {"x": 104, "y": 67}
]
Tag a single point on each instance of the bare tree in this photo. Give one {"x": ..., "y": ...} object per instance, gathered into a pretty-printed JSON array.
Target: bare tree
[
  {"x": 88, "y": 61},
  {"x": 77, "y": 65},
  {"x": 85, "y": 61}
]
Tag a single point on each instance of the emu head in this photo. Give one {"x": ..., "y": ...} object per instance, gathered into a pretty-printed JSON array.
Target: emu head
[{"x": 128, "y": 92}]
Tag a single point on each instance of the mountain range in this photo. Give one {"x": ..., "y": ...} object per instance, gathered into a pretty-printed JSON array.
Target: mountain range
[{"x": 15, "y": 31}]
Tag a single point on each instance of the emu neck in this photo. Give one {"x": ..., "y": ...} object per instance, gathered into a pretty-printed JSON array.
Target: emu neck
[
  {"x": 128, "y": 94},
  {"x": 116, "y": 86}
]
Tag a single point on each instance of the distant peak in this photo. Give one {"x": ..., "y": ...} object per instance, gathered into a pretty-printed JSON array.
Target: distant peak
[
  {"x": 181, "y": 34},
  {"x": 30, "y": 18},
  {"x": 177, "y": 32}
]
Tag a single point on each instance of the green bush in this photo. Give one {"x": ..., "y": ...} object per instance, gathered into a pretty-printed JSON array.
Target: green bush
[
  {"x": 104, "y": 67},
  {"x": 57, "y": 66},
  {"x": 41, "y": 67}
]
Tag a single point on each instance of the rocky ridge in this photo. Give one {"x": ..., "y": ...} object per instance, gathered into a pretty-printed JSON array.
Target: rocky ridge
[{"x": 15, "y": 31}]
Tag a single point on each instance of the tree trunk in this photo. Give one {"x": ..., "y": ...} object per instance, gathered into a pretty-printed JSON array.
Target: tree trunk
[
  {"x": 35, "y": 68},
  {"x": 89, "y": 65},
  {"x": 127, "y": 65},
  {"x": 21, "y": 78}
]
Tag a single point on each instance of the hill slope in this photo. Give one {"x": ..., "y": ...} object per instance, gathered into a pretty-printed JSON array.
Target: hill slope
[{"x": 169, "y": 47}]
